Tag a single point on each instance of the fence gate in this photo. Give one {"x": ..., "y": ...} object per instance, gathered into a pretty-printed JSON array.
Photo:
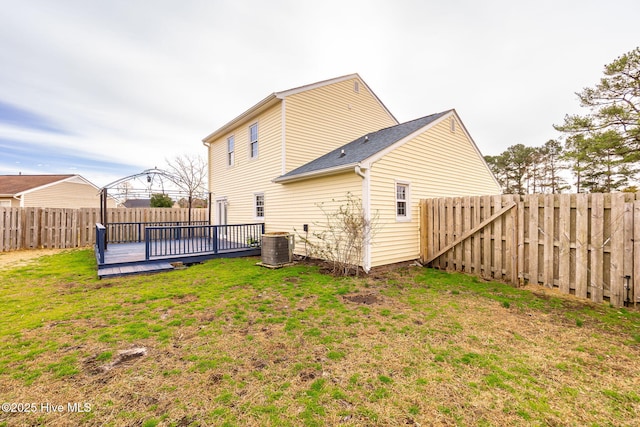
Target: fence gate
[{"x": 583, "y": 244}]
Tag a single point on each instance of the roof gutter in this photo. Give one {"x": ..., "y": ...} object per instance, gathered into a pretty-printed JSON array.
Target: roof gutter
[{"x": 315, "y": 174}]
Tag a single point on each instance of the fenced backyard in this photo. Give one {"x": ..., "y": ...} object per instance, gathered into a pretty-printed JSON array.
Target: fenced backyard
[
  {"x": 34, "y": 228},
  {"x": 582, "y": 244}
]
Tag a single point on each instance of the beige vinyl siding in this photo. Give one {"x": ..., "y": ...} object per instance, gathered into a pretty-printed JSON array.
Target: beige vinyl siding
[
  {"x": 436, "y": 163},
  {"x": 9, "y": 202},
  {"x": 322, "y": 119},
  {"x": 239, "y": 183},
  {"x": 64, "y": 195},
  {"x": 292, "y": 205}
]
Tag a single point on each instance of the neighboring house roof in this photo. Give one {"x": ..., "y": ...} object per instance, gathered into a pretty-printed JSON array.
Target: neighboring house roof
[
  {"x": 15, "y": 185},
  {"x": 360, "y": 149},
  {"x": 137, "y": 203},
  {"x": 276, "y": 97}
]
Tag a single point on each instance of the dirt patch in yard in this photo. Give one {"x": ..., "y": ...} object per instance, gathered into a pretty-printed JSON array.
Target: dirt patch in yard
[
  {"x": 14, "y": 259},
  {"x": 367, "y": 299}
]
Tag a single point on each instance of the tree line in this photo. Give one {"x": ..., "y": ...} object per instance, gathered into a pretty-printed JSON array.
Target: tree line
[{"x": 597, "y": 152}]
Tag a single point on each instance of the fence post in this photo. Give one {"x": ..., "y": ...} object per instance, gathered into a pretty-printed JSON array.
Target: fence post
[
  {"x": 617, "y": 281},
  {"x": 596, "y": 284},
  {"x": 635, "y": 295},
  {"x": 215, "y": 239},
  {"x": 147, "y": 243}
]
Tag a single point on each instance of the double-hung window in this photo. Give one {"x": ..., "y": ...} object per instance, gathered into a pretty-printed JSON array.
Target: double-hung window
[
  {"x": 402, "y": 201},
  {"x": 253, "y": 141},
  {"x": 230, "y": 150},
  {"x": 259, "y": 205}
]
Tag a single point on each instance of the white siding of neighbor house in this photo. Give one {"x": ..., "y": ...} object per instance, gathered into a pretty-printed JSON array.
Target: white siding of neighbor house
[
  {"x": 437, "y": 163},
  {"x": 325, "y": 118}
]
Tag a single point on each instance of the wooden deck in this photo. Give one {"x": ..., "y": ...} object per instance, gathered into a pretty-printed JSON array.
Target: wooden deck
[
  {"x": 122, "y": 259},
  {"x": 148, "y": 248}
]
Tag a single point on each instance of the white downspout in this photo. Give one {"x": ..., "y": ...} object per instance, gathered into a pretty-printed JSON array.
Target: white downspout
[{"x": 367, "y": 215}]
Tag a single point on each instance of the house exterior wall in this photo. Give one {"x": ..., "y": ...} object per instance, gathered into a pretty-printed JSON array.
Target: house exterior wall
[
  {"x": 292, "y": 205},
  {"x": 322, "y": 119},
  {"x": 309, "y": 123},
  {"x": 442, "y": 161},
  {"x": 64, "y": 195},
  {"x": 238, "y": 183},
  {"x": 9, "y": 202},
  {"x": 437, "y": 163}
]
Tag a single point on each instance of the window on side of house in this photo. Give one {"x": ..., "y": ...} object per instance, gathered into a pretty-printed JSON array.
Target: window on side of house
[
  {"x": 253, "y": 141},
  {"x": 231, "y": 151},
  {"x": 402, "y": 201},
  {"x": 259, "y": 205},
  {"x": 5, "y": 203}
]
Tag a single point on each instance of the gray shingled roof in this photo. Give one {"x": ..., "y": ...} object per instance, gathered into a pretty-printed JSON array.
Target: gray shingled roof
[{"x": 363, "y": 147}]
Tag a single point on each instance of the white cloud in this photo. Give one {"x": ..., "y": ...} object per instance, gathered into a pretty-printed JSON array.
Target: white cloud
[{"x": 137, "y": 82}]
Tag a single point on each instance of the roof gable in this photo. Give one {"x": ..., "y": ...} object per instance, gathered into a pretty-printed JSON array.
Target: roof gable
[
  {"x": 361, "y": 149},
  {"x": 16, "y": 184},
  {"x": 277, "y": 97}
]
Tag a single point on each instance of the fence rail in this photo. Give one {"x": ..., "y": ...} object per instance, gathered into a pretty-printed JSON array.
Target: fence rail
[
  {"x": 34, "y": 228},
  {"x": 197, "y": 239},
  {"x": 129, "y": 232},
  {"x": 582, "y": 244}
]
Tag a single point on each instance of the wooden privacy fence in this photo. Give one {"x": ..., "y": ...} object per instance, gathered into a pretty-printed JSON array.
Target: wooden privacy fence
[
  {"x": 583, "y": 244},
  {"x": 34, "y": 228}
]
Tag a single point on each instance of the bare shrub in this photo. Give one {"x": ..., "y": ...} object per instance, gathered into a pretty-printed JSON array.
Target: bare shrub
[{"x": 342, "y": 236}]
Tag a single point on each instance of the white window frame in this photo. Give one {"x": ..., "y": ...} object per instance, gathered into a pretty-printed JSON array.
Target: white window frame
[
  {"x": 231, "y": 147},
  {"x": 5, "y": 203},
  {"x": 253, "y": 141},
  {"x": 257, "y": 206},
  {"x": 406, "y": 200}
]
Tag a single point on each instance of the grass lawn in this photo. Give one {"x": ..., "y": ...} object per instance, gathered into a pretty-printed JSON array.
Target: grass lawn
[{"x": 229, "y": 343}]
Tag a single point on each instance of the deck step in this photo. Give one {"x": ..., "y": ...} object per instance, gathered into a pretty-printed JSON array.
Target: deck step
[{"x": 142, "y": 268}]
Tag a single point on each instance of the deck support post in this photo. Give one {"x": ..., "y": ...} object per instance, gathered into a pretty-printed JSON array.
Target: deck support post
[{"x": 147, "y": 244}]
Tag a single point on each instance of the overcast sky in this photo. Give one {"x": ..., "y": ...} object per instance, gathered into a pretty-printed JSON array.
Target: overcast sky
[{"x": 106, "y": 89}]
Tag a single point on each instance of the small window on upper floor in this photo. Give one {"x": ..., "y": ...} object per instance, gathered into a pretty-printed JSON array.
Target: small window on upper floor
[
  {"x": 253, "y": 141},
  {"x": 453, "y": 124},
  {"x": 356, "y": 86},
  {"x": 231, "y": 150}
]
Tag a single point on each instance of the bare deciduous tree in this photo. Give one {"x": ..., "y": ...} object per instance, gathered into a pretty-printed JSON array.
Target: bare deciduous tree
[{"x": 190, "y": 174}]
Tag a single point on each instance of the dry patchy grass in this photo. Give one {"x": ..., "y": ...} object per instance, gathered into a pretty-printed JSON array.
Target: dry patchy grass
[{"x": 229, "y": 343}]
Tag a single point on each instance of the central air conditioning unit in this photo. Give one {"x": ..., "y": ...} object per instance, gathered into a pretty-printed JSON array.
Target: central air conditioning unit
[{"x": 277, "y": 249}]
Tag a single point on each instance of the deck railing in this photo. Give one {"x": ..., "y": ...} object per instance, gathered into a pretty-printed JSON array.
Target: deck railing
[
  {"x": 131, "y": 232},
  {"x": 163, "y": 241},
  {"x": 101, "y": 238}
]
